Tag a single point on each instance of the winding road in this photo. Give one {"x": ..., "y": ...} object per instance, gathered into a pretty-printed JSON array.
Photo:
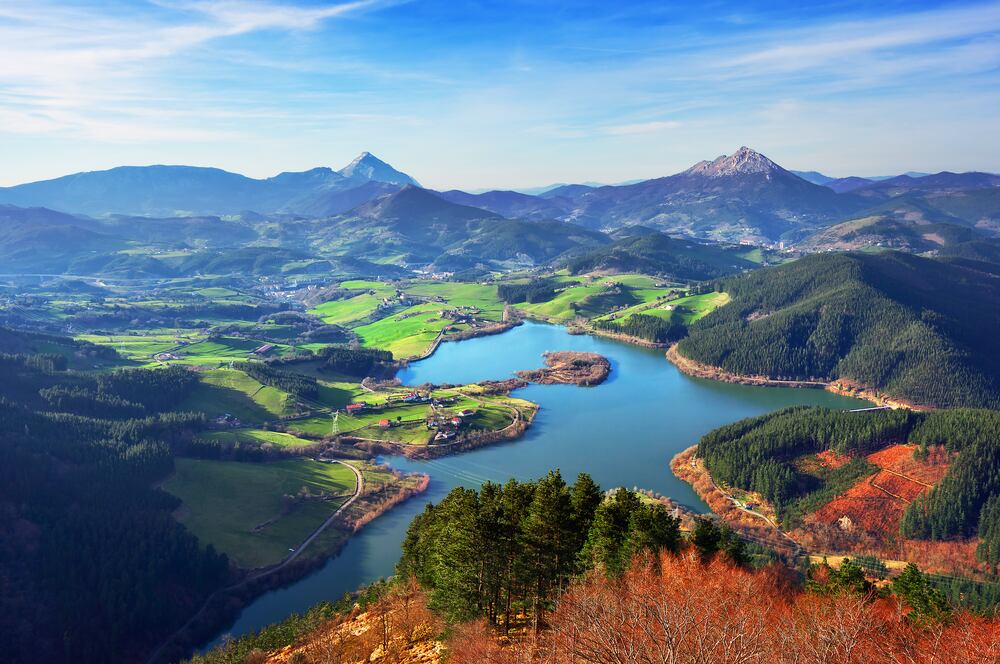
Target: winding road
[{"x": 359, "y": 488}]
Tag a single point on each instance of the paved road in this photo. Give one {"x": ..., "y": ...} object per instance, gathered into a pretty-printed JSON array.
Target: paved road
[
  {"x": 155, "y": 657},
  {"x": 357, "y": 493}
]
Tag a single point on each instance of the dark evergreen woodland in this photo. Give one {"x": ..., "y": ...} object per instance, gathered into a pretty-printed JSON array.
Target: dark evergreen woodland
[{"x": 920, "y": 329}]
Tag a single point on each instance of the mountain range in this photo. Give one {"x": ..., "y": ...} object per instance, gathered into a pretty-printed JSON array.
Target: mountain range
[
  {"x": 369, "y": 210},
  {"x": 192, "y": 190}
]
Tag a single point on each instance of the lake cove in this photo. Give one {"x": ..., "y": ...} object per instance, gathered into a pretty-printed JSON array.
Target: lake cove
[{"x": 623, "y": 432}]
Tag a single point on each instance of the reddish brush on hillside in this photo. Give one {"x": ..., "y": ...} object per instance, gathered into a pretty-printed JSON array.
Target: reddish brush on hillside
[
  {"x": 683, "y": 611},
  {"x": 875, "y": 505}
]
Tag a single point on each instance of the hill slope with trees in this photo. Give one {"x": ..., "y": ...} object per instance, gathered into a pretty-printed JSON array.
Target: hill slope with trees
[{"x": 918, "y": 329}]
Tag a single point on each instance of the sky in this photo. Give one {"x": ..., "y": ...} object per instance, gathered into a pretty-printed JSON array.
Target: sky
[{"x": 494, "y": 94}]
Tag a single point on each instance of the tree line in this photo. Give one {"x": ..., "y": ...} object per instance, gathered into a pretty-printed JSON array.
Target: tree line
[
  {"x": 355, "y": 361},
  {"x": 513, "y": 548},
  {"x": 296, "y": 384},
  {"x": 538, "y": 290},
  {"x": 643, "y": 326}
]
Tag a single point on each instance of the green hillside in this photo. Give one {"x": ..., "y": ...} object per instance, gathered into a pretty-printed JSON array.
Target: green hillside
[{"x": 919, "y": 329}]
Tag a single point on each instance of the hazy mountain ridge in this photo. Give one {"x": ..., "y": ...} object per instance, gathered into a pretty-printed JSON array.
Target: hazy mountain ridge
[
  {"x": 742, "y": 197},
  {"x": 191, "y": 190}
]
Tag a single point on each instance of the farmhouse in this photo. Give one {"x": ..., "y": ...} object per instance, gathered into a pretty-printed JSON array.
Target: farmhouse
[
  {"x": 262, "y": 350},
  {"x": 356, "y": 408},
  {"x": 385, "y": 423},
  {"x": 466, "y": 413}
]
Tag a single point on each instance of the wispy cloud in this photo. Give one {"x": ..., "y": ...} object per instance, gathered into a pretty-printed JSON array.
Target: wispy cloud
[
  {"x": 642, "y": 127},
  {"x": 831, "y": 44},
  {"x": 85, "y": 73}
]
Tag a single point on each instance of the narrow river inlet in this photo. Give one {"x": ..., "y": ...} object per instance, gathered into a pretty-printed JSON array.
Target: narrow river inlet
[{"x": 623, "y": 432}]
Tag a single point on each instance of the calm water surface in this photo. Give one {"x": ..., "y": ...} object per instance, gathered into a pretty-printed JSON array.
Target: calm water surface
[{"x": 623, "y": 432}]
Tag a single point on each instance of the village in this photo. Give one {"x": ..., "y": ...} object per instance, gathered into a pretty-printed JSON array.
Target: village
[{"x": 445, "y": 422}]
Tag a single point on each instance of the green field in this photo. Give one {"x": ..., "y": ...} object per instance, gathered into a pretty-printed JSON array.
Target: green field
[
  {"x": 349, "y": 310},
  {"x": 411, "y": 331},
  {"x": 409, "y": 420},
  {"x": 140, "y": 347},
  {"x": 231, "y": 391},
  {"x": 257, "y": 437},
  {"x": 242, "y": 509},
  {"x": 690, "y": 307},
  {"x": 408, "y": 333},
  {"x": 224, "y": 349}
]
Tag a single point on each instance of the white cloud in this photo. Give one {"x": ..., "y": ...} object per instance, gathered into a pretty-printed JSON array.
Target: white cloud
[{"x": 84, "y": 73}]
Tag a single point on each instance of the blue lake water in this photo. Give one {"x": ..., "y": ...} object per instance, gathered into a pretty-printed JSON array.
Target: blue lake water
[{"x": 623, "y": 432}]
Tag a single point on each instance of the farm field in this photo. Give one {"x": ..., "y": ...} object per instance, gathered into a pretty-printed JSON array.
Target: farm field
[
  {"x": 566, "y": 305},
  {"x": 409, "y": 421},
  {"x": 141, "y": 347},
  {"x": 349, "y": 310},
  {"x": 231, "y": 391},
  {"x": 594, "y": 298},
  {"x": 257, "y": 437},
  {"x": 244, "y": 509},
  {"x": 690, "y": 307},
  {"x": 224, "y": 349},
  {"x": 406, "y": 334}
]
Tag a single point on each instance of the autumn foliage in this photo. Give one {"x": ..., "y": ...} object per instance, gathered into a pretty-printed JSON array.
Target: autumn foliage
[{"x": 680, "y": 610}]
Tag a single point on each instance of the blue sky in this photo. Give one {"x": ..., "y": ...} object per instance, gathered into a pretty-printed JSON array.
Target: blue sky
[{"x": 497, "y": 94}]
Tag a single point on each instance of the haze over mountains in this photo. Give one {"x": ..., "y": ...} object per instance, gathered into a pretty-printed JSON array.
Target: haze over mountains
[{"x": 370, "y": 211}]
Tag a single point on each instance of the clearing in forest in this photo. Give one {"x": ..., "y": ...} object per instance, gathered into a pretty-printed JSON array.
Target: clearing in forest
[{"x": 876, "y": 503}]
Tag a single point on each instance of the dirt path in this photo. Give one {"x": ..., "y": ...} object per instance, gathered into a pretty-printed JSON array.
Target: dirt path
[{"x": 155, "y": 656}]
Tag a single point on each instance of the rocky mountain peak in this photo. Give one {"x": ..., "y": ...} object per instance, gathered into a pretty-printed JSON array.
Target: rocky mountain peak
[
  {"x": 367, "y": 166},
  {"x": 742, "y": 162}
]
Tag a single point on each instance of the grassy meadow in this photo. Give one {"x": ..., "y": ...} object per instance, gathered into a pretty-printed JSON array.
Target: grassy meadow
[{"x": 242, "y": 509}]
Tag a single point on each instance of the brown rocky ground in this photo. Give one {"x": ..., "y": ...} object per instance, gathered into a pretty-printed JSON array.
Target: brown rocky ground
[{"x": 570, "y": 367}]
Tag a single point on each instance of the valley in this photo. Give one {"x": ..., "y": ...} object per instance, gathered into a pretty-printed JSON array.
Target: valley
[{"x": 290, "y": 387}]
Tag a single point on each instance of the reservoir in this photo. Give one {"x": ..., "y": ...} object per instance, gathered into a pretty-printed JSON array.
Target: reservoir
[{"x": 623, "y": 432}]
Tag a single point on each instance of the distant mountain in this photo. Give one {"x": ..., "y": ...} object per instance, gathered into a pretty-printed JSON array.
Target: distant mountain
[
  {"x": 367, "y": 167},
  {"x": 414, "y": 206},
  {"x": 914, "y": 328},
  {"x": 943, "y": 181},
  {"x": 655, "y": 253},
  {"x": 416, "y": 226},
  {"x": 844, "y": 185},
  {"x": 813, "y": 176},
  {"x": 887, "y": 231},
  {"x": 819, "y": 178},
  {"x": 510, "y": 204},
  {"x": 912, "y": 174},
  {"x": 172, "y": 191},
  {"x": 743, "y": 196},
  {"x": 39, "y": 240}
]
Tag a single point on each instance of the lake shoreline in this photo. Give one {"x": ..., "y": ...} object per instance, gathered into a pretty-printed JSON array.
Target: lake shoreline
[
  {"x": 844, "y": 387},
  {"x": 567, "y": 432}
]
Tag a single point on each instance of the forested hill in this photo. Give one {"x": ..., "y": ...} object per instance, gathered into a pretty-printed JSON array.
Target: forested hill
[
  {"x": 93, "y": 566},
  {"x": 656, "y": 253},
  {"x": 919, "y": 329}
]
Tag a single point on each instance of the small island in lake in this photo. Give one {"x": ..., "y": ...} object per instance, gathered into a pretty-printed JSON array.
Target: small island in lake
[{"x": 571, "y": 367}]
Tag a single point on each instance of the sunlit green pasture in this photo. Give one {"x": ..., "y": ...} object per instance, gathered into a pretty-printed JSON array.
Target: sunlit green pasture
[
  {"x": 257, "y": 437},
  {"x": 243, "y": 510},
  {"x": 231, "y": 391}
]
